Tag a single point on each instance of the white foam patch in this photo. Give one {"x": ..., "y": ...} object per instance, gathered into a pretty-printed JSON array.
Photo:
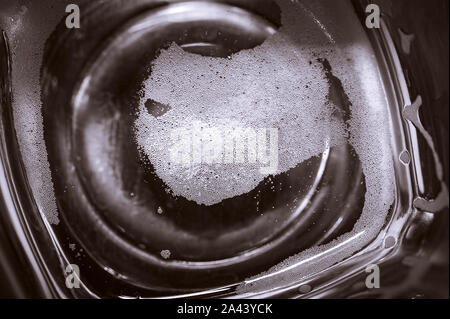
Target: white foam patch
[
  {"x": 27, "y": 46},
  {"x": 274, "y": 85}
]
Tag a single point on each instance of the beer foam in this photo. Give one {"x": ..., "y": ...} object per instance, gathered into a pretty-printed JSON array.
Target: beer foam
[
  {"x": 279, "y": 84},
  {"x": 274, "y": 85},
  {"x": 27, "y": 47}
]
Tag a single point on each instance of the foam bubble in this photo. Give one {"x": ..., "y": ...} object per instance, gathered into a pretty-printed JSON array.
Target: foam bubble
[{"x": 165, "y": 253}]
